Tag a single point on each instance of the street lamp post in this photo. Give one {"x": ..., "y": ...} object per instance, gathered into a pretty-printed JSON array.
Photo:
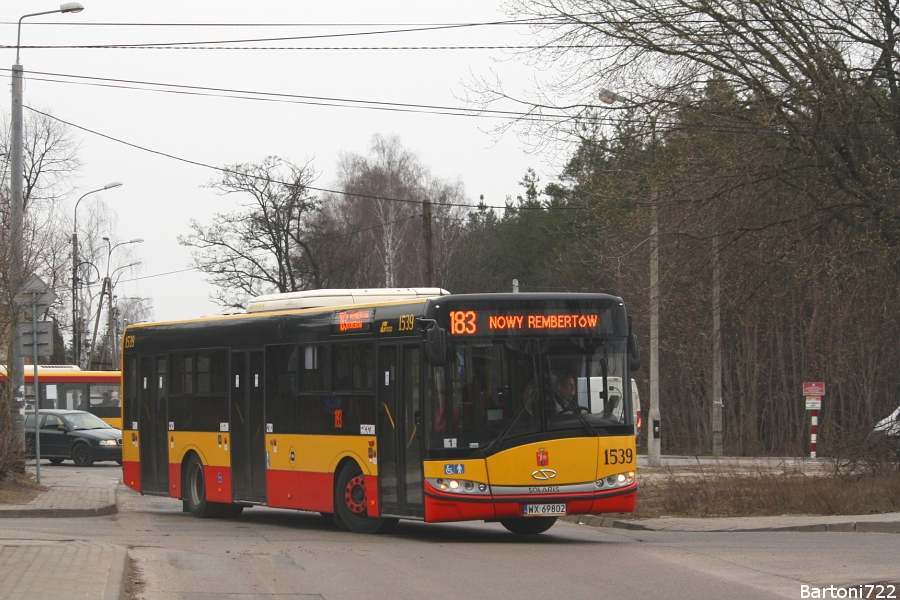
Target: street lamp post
[
  {"x": 16, "y": 186},
  {"x": 76, "y": 341}
]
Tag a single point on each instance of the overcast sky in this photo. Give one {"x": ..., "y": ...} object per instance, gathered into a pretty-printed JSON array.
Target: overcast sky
[{"x": 161, "y": 194}]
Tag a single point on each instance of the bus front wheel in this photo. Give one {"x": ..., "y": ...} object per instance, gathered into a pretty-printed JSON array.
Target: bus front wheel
[
  {"x": 528, "y": 525},
  {"x": 350, "y": 503}
]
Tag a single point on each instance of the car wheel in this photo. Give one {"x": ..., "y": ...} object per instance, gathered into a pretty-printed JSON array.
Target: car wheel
[
  {"x": 350, "y": 503},
  {"x": 56, "y": 461},
  {"x": 82, "y": 455},
  {"x": 528, "y": 525}
]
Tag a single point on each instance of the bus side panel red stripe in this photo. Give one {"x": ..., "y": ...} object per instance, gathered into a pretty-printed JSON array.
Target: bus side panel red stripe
[
  {"x": 373, "y": 509},
  {"x": 218, "y": 483},
  {"x": 440, "y": 511},
  {"x": 623, "y": 503},
  {"x": 131, "y": 474},
  {"x": 174, "y": 480},
  {"x": 300, "y": 490}
]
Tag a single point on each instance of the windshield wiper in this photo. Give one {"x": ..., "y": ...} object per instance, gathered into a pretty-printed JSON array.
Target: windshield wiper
[
  {"x": 586, "y": 423},
  {"x": 506, "y": 429}
]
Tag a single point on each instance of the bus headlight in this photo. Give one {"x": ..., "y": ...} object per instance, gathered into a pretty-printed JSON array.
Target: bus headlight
[
  {"x": 459, "y": 486},
  {"x": 615, "y": 481}
]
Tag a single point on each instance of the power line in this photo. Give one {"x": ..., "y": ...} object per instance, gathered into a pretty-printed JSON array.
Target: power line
[
  {"x": 309, "y": 187},
  {"x": 320, "y": 48},
  {"x": 417, "y": 26},
  {"x": 263, "y": 255},
  {"x": 192, "y": 90},
  {"x": 536, "y": 115},
  {"x": 275, "y": 39}
]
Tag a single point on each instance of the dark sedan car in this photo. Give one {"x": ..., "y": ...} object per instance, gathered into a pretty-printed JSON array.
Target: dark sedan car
[{"x": 76, "y": 435}]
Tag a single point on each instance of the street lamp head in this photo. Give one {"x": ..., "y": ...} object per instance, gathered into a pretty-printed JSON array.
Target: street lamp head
[
  {"x": 106, "y": 239},
  {"x": 136, "y": 241},
  {"x": 71, "y": 7},
  {"x": 112, "y": 185},
  {"x": 610, "y": 97}
]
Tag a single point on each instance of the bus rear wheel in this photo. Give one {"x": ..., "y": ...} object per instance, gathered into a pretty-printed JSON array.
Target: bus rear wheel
[
  {"x": 350, "y": 503},
  {"x": 528, "y": 525},
  {"x": 194, "y": 486}
]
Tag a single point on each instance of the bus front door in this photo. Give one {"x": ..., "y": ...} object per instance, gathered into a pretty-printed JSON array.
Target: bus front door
[
  {"x": 153, "y": 426},
  {"x": 248, "y": 438},
  {"x": 399, "y": 430}
]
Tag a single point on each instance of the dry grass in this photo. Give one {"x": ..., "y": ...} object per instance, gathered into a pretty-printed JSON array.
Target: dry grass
[
  {"x": 735, "y": 492},
  {"x": 19, "y": 488},
  {"x": 135, "y": 584}
]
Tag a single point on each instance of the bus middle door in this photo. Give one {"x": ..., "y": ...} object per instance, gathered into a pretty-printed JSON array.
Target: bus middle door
[
  {"x": 248, "y": 443},
  {"x": 398, "y": 430}
]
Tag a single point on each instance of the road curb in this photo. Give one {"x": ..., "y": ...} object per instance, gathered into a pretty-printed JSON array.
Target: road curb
[
  {"x": 58, "y": 513},
  {"x": 842, "y": 527},
  {"x": 118, "y": 571}
]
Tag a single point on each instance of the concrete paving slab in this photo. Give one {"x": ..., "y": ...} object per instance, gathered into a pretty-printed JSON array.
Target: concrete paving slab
[{"x": 71, "y": 493}]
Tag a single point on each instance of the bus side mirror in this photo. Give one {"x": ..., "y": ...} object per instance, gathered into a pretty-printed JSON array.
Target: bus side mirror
[
  {"x": 436, "y": 346},
  {"x": 634, "y": 352}
]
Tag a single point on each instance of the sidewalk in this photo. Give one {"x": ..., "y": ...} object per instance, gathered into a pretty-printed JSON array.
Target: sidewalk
[
  {"x": 884, "y": 523},
  {"x": 48, "y": 566},
  {"x": 880, "y": 523},
  {"x": 71, "y": 494}
]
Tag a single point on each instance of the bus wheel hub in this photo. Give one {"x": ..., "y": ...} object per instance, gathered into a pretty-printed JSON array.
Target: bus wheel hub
[{"x": 355, "y": 494}]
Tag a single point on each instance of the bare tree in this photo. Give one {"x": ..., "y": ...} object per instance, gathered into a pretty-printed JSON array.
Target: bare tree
[
  {"x": 381, "y": 215},
  {"x": 50, "y": 164},
  {"x": 384, "y": 187},
  {"x": 266, "y": 245}
]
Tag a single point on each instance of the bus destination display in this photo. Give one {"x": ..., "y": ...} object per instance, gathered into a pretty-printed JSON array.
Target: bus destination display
[
  {"x": 473, "y": 322},
  {"x": 352, "y": 321}
]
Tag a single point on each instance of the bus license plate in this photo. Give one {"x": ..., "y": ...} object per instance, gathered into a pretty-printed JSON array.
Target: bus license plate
[{"x": 541, "y": 510}]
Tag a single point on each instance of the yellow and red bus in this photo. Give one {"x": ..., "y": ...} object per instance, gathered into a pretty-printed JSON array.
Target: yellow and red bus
[
  {"x": 371, "y": 406},
  {"x": 68, "y": 387}
]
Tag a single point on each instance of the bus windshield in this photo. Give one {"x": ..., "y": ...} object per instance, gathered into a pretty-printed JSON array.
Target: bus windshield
[{"x": 495, "y": 392}]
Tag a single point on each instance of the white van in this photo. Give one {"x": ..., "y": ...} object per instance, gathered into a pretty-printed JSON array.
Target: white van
[
  {"x": 615, "y": 389},
  {"x": 888, "y": 426},
  {"x": 636, "y": 404}
]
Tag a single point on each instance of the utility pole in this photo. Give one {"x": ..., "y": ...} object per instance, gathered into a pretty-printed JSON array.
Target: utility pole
[
  {"x": 16, "y": 368},
  {"x": 654, "y": 439},
  {"x": 111, "y": 332},
  {"x": 429, "y": 250},
  {"x": 103, "y": 290},
  {"x": 716, "y": 348}
]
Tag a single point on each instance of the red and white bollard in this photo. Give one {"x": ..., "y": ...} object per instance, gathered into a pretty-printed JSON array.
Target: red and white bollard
[{"x": 814, "y": 430}]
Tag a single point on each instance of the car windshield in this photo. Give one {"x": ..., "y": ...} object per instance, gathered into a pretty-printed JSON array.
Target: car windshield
[
  {"x": 86, "y": 421},
  {"x": 497, "y": 391}
]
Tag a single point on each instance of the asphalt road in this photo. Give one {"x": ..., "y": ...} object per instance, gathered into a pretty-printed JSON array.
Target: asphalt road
[{"x": 270, "y": 554}]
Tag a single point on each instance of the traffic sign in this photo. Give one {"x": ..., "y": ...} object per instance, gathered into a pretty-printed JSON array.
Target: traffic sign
[
  {"x": 814, "y": 388},
  {"x": 44, "y": 338},
  {"x": 813, "y": 402},
  {"x": 34, "y": 292}
]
